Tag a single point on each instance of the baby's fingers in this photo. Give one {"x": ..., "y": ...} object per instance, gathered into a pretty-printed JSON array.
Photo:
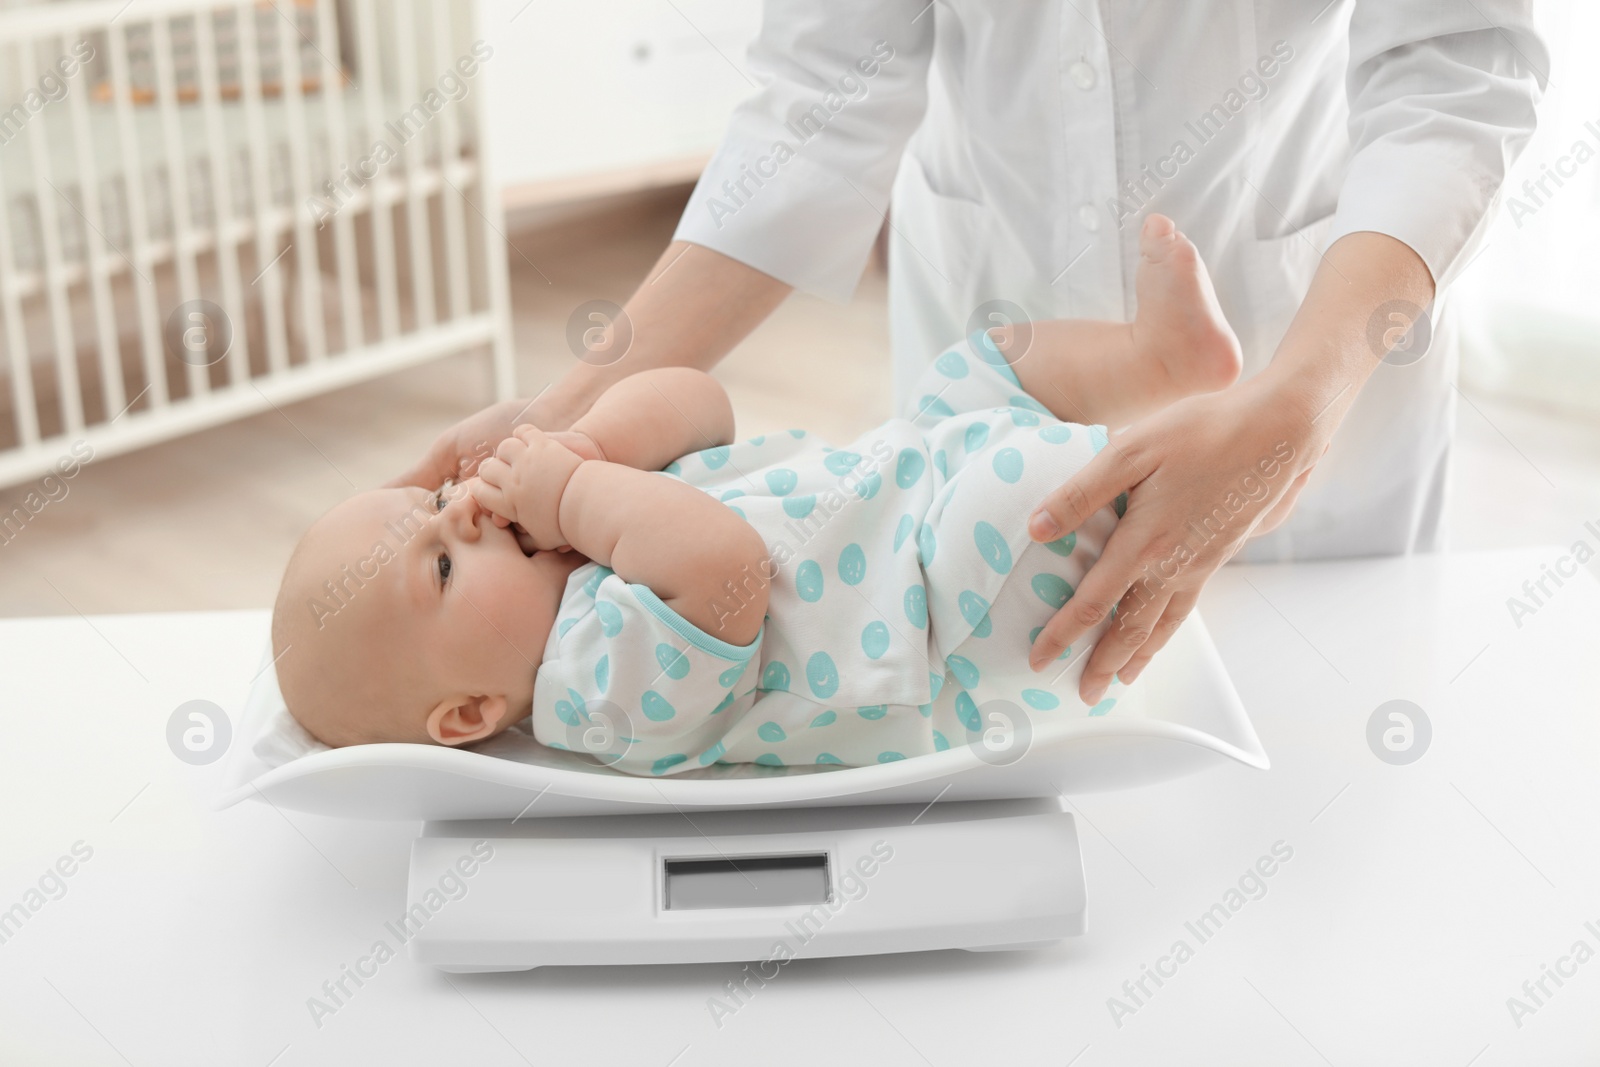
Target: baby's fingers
[
  {"x": 509, "y": 451},
  {"x": 528, "y": 433},
  {"x": 485, "y": 489}
]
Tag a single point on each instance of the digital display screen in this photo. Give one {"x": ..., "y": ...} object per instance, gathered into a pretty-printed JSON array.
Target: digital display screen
[{"x": 746, "y": 881}]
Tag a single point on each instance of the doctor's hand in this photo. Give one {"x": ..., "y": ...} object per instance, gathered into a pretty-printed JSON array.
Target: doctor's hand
[
  {"x": 1202, "y": 476},
  {"x": 457, "y": 452}
]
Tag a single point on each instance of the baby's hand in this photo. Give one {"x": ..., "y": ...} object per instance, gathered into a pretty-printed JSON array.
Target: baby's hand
[
  {"x": 523, "y": 481},
  {"x": 578, "y": 441}
]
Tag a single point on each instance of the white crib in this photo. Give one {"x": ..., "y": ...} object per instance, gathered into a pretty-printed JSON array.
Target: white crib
[{"x": 195, "y": 224}]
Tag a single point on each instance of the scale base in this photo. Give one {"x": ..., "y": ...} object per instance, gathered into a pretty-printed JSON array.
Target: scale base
[{"x": 763, "y": 885}]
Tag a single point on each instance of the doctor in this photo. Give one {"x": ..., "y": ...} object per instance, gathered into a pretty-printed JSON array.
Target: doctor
[{"x": 1335, "y": 162}]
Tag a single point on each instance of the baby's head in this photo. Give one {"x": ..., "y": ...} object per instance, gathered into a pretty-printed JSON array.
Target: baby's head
[{"x": 408, "y": 615}]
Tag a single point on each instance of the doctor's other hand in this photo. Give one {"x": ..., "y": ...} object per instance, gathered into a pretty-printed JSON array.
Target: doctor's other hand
[
  {"x": 457, "y": 452},
  {"x": 1202, "y": 475}
]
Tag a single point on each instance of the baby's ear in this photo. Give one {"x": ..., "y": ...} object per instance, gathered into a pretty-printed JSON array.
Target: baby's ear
[{"x": 465, "y": 719}]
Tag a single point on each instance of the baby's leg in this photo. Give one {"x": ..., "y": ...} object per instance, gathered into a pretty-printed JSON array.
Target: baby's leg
[{"x": 1113, "y": 373}]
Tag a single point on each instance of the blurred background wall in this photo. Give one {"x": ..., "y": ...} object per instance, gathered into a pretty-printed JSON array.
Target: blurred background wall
[{"x": 559, "y": 167}]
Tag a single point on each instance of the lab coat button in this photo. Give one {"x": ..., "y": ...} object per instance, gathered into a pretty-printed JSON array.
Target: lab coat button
[
  {"x": 1089, "y": 217},
  {"x": 1082, "y": 75}
]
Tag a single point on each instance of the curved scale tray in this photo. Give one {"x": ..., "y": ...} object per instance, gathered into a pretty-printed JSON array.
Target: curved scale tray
[{"x": 1182, "y": 716}]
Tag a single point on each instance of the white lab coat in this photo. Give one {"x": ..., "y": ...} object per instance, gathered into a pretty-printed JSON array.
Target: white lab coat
[{"x": 1035, "y": 136}]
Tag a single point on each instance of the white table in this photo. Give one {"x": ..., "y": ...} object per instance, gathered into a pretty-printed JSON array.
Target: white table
[{"x": 1418, "y": 898}]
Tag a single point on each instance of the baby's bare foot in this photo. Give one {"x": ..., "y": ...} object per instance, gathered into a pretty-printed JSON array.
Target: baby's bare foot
[{"x": 1179, "y": 326}]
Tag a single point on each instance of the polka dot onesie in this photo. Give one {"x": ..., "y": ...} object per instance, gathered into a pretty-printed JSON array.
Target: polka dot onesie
[{"x": 904, "y": 594}]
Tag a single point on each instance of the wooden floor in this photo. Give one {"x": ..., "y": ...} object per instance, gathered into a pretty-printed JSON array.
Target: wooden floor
[{"x": 207, "y": 521}]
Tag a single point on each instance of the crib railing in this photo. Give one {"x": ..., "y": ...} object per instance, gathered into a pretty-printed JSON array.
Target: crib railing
[{"x": 208, "y": 211}]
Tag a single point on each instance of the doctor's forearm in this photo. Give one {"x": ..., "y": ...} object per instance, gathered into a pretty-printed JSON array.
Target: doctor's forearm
[
  {"x": 1363, "y": 297},
  {"x": 691, "y": 310}
]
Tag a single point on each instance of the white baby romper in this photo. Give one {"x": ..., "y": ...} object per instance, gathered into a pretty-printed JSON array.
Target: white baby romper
[{"x": 904, "y": 595}]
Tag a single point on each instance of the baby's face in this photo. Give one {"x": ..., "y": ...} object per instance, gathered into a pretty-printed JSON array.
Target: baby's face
[{"x": 445, "y": 588}]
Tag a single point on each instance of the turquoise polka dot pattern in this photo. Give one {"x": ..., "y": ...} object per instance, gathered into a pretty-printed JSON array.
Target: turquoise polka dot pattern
[
  {"x": 712, "y": 754},
  {"x": 828, "y": 757},
  {"x": 977, "y": 436},
  {"x": 975, "y": 609},
  {"x": 916, "y": 605},
  {"x": 821, "y": 675},
  {"x": 1058, "y": 433},
  {"x": 852, "y": 564},
  {"x": 602, "y": 672},
  {"x": 868, "y": 487},
  {"x": 769, "y": 759},
  {"x": 1097, "y": 438},
  {"x": 1023, "y": 417},
  {"x": 1104, "y": 706},
  {"x": 992, "y": 547},
  {"x": 798, "y": 507},
  {"x": 903, "y": 530},
  {"x": 723, "y": 705},
  {"x": 758, "y": 439},
  {"x": 610, "y": 618},
  {"x": 984, "y": 346},
  {"x": 873, "y": 712},
  {"x": 1023, "y": 400},
  {"x": 782, "y": 481},
  {"x": 925, "y": 710},
  {"x": 1041, "y": 699},
  {"x": 564, "y": 626},
  {"x": 600, "y": 574},
  {"x": 932, "y": 405},
  {"x": 965, "y": 671},
  {"x": 941, "y": 463},
  {"x": 1051, "y": 588},
  {"x": 674, "y": 468},
  {"x": 715, "y": 457},
  {"x": 567, "y": 713},
  {"x": 967, "y": 712},
  {"x": 666, "y": 763},
  {"x": 808, "y": 581},
  {"x": 952, "y": 365},
  {"x": 827, "y": 718},
  {"x": 771, "y": 733},
  {"x": 737, "y": 511},
  {"x": 927, "y": 543},
  {"x": 655, "y": 706},
  {"x": 935, "y": 683},
  {"x": 889, "y": 757},
  {"x": 776, "y": 676},
  {"x": 940, "y": 742},
  {"x": 673, "y": 661},
  {"x": 875, "y": 639},
  {"x": 909, "y": 467},
  {"x": 1008, "y": 465},
  {"x": 841, "y": 462},
  {"x": 1063, "y": 546},
  {"x": 730, "y": 677},
  {"x": 797, "y": 434}
]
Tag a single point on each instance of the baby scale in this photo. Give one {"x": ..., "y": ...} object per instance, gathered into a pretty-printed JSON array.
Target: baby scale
[{"x": 572, "y": 863}]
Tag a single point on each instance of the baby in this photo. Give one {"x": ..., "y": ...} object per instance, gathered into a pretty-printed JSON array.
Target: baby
[{"x": 647, "y": 591}]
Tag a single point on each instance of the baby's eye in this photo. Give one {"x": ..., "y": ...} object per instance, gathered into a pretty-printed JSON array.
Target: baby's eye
[
  {"x": 445, "y": 567},
  {"x": 438, "y": 501}
]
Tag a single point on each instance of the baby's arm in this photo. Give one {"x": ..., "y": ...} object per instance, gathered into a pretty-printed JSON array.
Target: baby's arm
[
  {"x": 649, "y": 419},
  {"x": 651, "y": 530},
  {"x": 672, "y": 537}
]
